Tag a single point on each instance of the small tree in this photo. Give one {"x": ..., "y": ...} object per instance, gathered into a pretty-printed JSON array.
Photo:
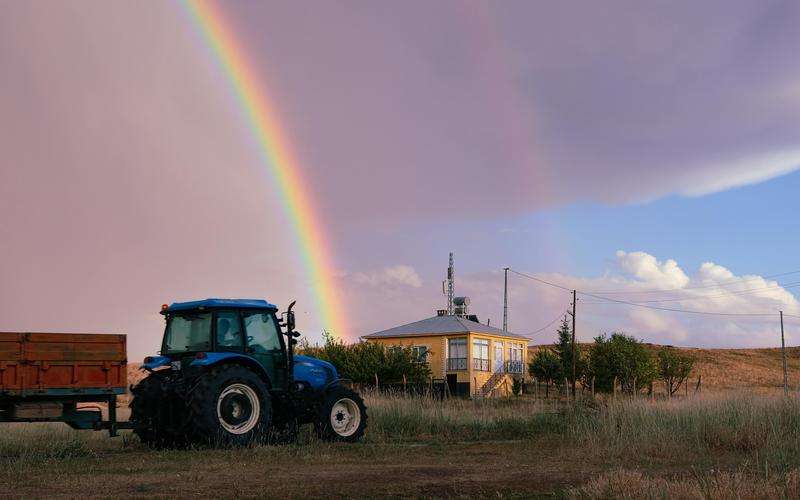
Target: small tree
[
  {"x": 623, "y": 358},
  {"x": 545, "y": 366},
  {"x": 673, "y": 368},
  {"x": 563, "y": 350}
]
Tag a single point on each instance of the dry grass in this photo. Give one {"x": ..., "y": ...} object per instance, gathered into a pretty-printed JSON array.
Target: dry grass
[
  {"x": 710, "y": 447},
  {"x": 627, "y": 484}
]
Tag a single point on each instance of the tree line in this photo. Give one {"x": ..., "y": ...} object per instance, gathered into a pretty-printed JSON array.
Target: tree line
[
  {"x": 617, "y": 357},
  {"x": 363, "y": 362}
]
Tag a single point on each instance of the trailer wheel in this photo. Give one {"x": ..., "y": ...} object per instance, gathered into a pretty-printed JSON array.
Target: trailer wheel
[
  {"x": 155, "y": 416},
  {"x": 342, "y": 416},
  {"x": 230, "y": 405}
]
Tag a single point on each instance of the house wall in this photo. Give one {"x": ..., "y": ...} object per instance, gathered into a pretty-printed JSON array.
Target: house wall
[{"x": 437, "y": 357}]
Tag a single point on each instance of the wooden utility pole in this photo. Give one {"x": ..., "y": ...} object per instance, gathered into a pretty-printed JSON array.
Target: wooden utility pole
[
  {"x": 783, "y": 355},
  {"x": 574, "y": 301}
]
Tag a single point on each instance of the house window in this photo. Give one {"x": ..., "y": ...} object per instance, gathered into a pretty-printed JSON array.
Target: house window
[
  {"x": 515, "y": 364},
  {"x": 456, "y": 354},
  {"x": 480, "y": 355},
  {"x": 420, "y": 353}
]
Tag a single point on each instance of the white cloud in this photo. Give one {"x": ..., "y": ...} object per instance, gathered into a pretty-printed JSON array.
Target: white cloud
[{"x": 399, "y": 275}]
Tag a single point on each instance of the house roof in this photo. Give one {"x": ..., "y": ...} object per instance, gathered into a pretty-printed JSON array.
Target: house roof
[{"x": 440, "y": 325}]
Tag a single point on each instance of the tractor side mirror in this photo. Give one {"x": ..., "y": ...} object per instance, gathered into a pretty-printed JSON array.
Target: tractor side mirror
[{"x": 290, "y": 323}]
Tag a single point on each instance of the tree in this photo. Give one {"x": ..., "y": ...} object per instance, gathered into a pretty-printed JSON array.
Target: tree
[
  {"x": 673, "y": 368},
  {"x": 563, "y": 350},
  {"x": 622, "y": 357},
  {"x": 546, "y": 367}
]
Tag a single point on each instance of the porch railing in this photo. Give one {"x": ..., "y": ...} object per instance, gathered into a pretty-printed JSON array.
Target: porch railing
[
  {"x": 480, "y": 364},
  {"x": 516, "y": 366},
  {"x": 454, "y": 364}
]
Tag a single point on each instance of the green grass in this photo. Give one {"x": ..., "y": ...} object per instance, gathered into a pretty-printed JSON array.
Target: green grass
[{"x": 704, "y": 448}]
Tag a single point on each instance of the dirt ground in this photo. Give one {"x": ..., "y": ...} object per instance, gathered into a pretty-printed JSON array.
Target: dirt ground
[{"x": 528, "y": 468}]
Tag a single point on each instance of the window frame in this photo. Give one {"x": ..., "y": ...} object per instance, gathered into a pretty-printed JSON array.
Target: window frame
[
  {"x": 281, "y": 344},
  {"x": 224, "y": 348},
  {"x": 483, "y": 364}
]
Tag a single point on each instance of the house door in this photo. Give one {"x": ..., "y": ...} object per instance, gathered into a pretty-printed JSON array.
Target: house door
[
  {"x": 452, "y": 383},
  {"x": 498, "y": 356}
]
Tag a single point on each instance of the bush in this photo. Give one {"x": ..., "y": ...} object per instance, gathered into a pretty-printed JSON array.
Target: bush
[
  {"x": 361, "y": 362},
  {"x": 673, "y": 368},
  {"x": 623, "y": 358},
  {"x": 545, "y": 367}
]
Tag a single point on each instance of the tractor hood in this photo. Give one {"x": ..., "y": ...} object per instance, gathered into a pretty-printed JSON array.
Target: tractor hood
[{"x": 314, "y": 371}]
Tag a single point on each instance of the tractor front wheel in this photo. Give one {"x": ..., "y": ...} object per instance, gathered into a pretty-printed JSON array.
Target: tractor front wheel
[
  {"x": 342, "y": 416},
  {"x": 156, "y": 416},
  {"x": 230, "y": 405}
]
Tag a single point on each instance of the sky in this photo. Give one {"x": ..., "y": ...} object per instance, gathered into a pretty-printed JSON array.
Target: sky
[{"x": 646, "y": 150}]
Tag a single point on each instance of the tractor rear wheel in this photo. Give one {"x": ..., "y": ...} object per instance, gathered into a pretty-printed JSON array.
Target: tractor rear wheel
[
  {"x": 155, "y": 415},
  {"x": 230, "y": 405},
  {"x": 342, "y": 416}
]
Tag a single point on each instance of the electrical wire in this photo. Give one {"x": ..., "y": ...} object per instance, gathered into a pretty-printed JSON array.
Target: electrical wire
[
  {"x": 635, "y": 304},
  {"x": 715, "y": 285},
  {"x": 548, "y": 325}
]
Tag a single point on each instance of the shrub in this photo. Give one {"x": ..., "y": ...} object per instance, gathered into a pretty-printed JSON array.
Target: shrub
[
  {"x": 623, "y": 358},
  {"x": 361, "y": 362},
  {"x": 673, "y": 368},
  {"x": 546, "y": 367}
]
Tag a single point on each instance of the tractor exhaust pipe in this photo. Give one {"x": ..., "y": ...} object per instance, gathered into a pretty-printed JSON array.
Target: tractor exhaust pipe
[{"x": 291, "y": 335}]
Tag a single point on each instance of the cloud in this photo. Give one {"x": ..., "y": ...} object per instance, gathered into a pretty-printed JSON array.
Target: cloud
[
  {"x": 635, "y": 277},
  {"x": 399, "y": 275},
  {"x": 496, "y": 109}
]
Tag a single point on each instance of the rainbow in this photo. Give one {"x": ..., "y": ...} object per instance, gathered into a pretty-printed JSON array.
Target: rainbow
[{"x": 276, "y": 153}]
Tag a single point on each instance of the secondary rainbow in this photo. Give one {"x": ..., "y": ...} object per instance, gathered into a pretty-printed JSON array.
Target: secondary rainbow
[{"x": 276, "y": 152}]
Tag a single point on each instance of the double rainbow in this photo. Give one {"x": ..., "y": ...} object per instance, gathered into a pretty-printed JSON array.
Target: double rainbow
[{"x": 275, "y": 151}]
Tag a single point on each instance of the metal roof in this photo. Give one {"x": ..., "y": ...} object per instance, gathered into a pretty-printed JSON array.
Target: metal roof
[
  {"x": 440, "y": 325},
  {"x": 208, "y": 303}
]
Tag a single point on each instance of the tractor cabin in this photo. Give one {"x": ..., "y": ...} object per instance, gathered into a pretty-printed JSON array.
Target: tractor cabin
[{"x": 473, "y": 359}]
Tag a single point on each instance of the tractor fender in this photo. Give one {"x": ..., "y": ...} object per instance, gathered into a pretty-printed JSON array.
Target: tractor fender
[
  {"x": 152, "y": 362},
  {"x": 212, "y": 359}
]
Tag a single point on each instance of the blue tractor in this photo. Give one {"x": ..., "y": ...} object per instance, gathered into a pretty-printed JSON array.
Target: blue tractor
[{"x": 227, "y": 374}]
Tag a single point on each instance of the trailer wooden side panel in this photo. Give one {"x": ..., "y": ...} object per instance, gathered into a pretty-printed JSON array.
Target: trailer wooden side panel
[{"x": 62, "y": 363}]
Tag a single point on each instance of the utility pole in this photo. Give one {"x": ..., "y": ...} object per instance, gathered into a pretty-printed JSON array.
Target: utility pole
[
  {"x": 574, "y": 302},
  {"x": 505, "y": 299},
  {"x": 783, "y": 355}
]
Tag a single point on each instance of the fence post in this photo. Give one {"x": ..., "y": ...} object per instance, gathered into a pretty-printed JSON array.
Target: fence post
[
  {"x": 404, "y": 383},
  {"x": 377, "y": 386},
  {"x": 652, "y": 391},
  {"x": 566, "y": 386},
  {"x": 635, "y": 393},
  {"x": 614, "y": 394},
  {"x": 686, "y": 386},
  {"x": 592, "y": 387},
  {"x": 669, "y": 392},
  {"x": 697, "y": 388}
]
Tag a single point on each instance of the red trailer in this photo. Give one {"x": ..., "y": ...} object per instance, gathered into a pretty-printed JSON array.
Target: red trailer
[{"x": 45, "y": 376}]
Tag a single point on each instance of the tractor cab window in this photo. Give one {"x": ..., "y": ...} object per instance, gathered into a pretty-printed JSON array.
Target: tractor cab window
[
  {"x": 188, "y": 332},
  {"x": 229, "y": 331},
  {"x": 262, "y": 331}
]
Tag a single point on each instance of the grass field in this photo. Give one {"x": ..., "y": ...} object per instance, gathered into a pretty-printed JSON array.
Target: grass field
[{"x": 709, "y": 447}]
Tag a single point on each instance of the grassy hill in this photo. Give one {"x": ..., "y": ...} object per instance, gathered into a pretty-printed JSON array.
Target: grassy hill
[{"x": 725, "y": 370}]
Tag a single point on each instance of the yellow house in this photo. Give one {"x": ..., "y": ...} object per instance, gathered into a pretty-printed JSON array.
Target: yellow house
[{"x": 473, "y": 358}]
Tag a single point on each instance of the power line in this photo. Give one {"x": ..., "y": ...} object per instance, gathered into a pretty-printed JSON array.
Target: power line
[
  {"x": 715, "y": 285},
  {"x": 780, "y": 286},
  {"x": 635, "y": 304},
  {"x": 687, "y": 311},
  {"x": 548, "y": 325}
]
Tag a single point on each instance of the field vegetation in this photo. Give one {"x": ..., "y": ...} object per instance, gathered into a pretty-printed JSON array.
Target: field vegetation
[{"x": 697, "y": 447}]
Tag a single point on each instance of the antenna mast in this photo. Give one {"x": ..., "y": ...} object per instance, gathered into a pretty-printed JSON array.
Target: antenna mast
[{"x": 450, "y": 285}]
